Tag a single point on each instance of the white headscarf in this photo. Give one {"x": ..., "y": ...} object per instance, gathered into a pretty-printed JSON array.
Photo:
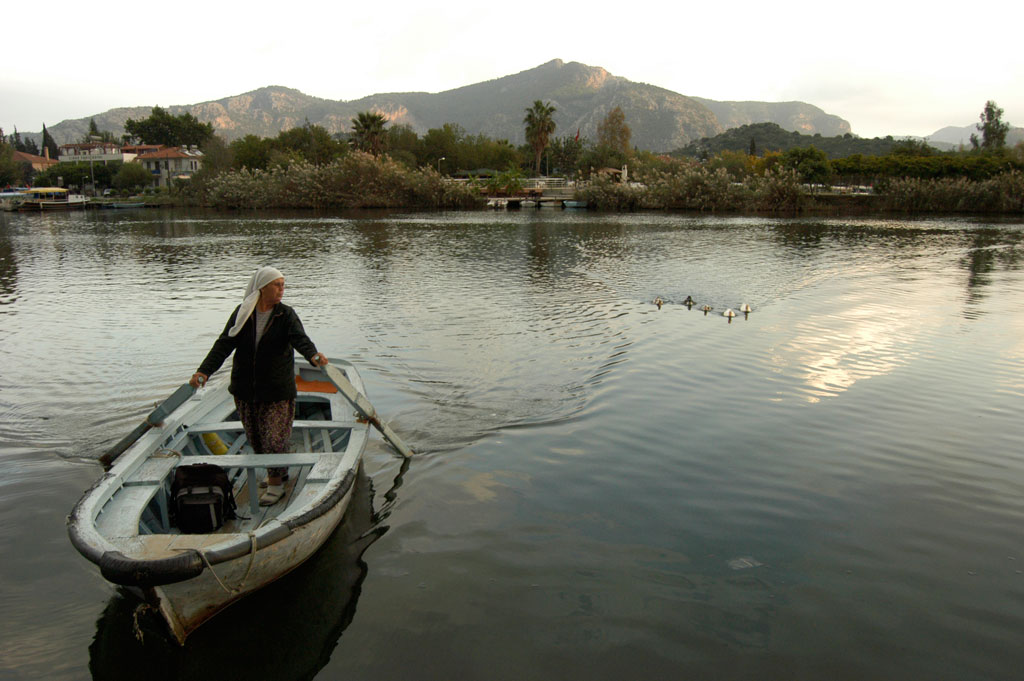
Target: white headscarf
[{"x": 260, "y": 278}]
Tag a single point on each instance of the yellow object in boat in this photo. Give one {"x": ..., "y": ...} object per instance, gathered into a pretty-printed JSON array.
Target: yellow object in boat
[{"x": 215, "y": 444}]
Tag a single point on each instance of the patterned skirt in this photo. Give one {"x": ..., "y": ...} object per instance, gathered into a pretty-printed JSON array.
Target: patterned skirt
[{"x": 268, "y": 427}]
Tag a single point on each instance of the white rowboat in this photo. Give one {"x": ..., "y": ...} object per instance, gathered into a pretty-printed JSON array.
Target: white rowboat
[{"x": 125, "y": 525}]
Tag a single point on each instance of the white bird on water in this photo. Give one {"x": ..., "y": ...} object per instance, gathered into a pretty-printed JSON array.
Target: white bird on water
[
  {"x": 706, "y": 308},
  {"x": 745, "y": 308},
  {"x": 729, "y": 312}
]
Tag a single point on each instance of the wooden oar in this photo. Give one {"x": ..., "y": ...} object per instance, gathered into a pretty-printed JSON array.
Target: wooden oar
[
  {"x": 155, "y": 418},
  {"x": 364, "y": 407}
]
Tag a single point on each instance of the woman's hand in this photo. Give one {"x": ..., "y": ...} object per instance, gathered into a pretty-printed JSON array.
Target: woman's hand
[{"x": 198, "y": 379}]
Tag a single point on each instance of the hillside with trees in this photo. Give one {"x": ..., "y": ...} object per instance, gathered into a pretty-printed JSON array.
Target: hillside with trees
[
  {"x": 793, "y": 116},
  {"x": 582, "y": 95},
  {"x": 752, "y": 168},
  {"x": 761, "y": 137}
]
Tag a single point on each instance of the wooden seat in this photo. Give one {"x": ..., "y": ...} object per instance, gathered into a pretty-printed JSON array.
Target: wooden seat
[
  {"x": 260, "y": 460},
  {"x": 236, "y": 426}
]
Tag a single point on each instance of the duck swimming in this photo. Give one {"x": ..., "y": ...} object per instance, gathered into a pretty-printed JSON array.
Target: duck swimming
[
  {"x": 729, "y": 312},
  {"x": 659, "y": 302},
  {"x": 745, "y": 308},
  {"x": 689, "y": 302}
]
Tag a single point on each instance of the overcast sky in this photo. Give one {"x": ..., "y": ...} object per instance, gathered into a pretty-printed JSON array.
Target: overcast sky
[{"x": 890, "y": 67}]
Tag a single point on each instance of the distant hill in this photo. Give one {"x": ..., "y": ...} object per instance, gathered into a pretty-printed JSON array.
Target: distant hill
[
  {"x": 661, "y": 120},
  {"x": 956, "y": 136},
  {"x": 771, "y": 137},
  {"x": 582, "y": 96},
  {"x": 792, "y": 116}
]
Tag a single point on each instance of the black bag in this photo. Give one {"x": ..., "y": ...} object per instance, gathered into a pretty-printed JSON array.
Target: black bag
[{"x": 202, "y": 498}]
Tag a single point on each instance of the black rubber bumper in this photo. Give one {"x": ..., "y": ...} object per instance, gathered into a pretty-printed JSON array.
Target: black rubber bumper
[{"x": 119, "y": 569}]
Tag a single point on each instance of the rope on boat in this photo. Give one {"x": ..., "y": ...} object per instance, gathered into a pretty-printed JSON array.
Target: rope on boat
[
  {"x": 248, "y": 570},
  {"x": 140, "y": 609},
  {"x": 202, "y": 554}
]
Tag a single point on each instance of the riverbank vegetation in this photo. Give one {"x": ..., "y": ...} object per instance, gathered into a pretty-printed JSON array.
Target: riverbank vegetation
[
  {"x": 382, "y": 166},
  {"x": 355, "y": 180}
]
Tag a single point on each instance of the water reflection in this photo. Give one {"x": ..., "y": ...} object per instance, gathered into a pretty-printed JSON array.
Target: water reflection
[
  {"x": 8, "y": 268},
  {"x": 800, "y": 236},
  {"x": 913, "y": 244},
  {"x": 988, "y": 251},
  {"x": 286, "y": 631},
  {"x": 563, "y": 420}
]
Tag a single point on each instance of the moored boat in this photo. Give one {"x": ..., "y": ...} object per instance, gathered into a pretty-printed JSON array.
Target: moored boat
[
  {"x": 128, "y": 524},
  {"x": 122, "y": 205},
  {"x": 50, "y": 198},
  {"x": 10, "y": 199}
]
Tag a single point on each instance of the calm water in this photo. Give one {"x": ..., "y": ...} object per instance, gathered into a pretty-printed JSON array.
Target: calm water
[{"x": 829, "y": 488}]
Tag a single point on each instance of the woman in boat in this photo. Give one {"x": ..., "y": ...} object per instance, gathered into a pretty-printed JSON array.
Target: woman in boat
[{"x": 264, "y": 334}]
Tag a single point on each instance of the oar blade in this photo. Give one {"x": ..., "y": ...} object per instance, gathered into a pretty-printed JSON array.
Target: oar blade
[
  {"x": 155, "y": 418},
  {"x": 164, "y": 409},
  {"x": 363, "y": 406}
]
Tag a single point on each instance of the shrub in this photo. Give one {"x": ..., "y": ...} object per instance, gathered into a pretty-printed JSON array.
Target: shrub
[
  {"x": 1002, "y": 193},
  {"x": 357, "y": 180}
]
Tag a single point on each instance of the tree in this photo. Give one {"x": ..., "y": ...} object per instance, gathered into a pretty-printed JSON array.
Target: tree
[
  {"x": 174, "y": 131},
  {"x": 402, "y": 144},
  {"x": 95, "y": 133},
  {"x": 311, "y": 142},
  {"x": 767, "y": 162},
  {"x": 540, "y": 125},
  {"x": 50, "y": 143},
  {"x": 909, "y": 147},
  {"x": 738, "y": 164},
  {"x": 27, "y": 146},
  {"x": 1017, "y": 154},
  {"x": 217, "y": 156},
  {"x": 368, "y": 132},
  {"x": 252, "y": 152},
  {"x": 566, "y": 154},
  {"x": 77, "y": 174},
  {"x": 132, "y": 176},
  {"x": 992, "y": 128},
  {"x": 9, "y": 171},
  {"x": 613, "y": 132},
  {"x": 810, "y": 163},
  {"x": 443, "y": 142}
]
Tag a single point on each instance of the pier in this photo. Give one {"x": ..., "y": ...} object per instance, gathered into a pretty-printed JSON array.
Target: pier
[{"x": 535, "y": 192}]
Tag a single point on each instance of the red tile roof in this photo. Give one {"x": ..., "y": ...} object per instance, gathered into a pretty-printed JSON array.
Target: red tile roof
[
  {"x": 32, "y": 158},
  {"x": 167, "y": 152},
  {"x": 140, "y": 148}
]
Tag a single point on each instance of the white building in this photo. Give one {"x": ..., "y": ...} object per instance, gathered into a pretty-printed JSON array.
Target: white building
[
  {"x": 98, "y": 152},
  {"x": 171, "y": 163}
]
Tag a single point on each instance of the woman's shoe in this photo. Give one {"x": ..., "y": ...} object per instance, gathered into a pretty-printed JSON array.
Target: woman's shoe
[
  {"x": 263, "y": 482},
  {"x": 272, "y": 495}
]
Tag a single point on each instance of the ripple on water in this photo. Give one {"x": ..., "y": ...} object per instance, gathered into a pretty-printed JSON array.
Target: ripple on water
[{"x": 590, "y": 462}]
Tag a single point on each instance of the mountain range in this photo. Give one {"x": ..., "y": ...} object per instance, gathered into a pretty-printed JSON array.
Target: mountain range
[
  {"x": 661, "y": 120},
  {"x": 953, "y": 136}
]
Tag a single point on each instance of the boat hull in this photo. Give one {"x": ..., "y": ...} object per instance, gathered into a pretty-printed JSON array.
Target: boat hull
[
  {"x": 125, "y": 522},
  {"x": 188, "y": 604},
  {"x": 33, "y": 206}
]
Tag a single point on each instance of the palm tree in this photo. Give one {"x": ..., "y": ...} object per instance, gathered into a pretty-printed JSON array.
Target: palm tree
[
  {"x": 539, "y": 127},
  {"x": 368, "y": 132}
]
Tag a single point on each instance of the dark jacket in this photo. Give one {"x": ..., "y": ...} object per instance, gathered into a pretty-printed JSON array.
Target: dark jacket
[{"x": 265, "y": 373}]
